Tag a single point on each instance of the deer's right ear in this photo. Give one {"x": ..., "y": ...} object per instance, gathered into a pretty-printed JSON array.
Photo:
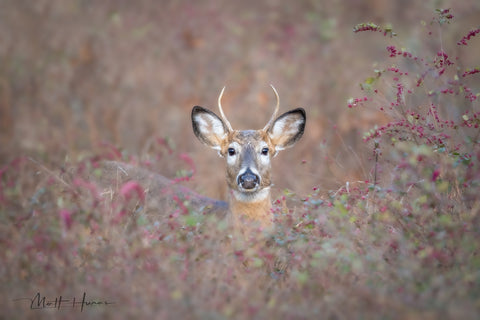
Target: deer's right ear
[{"x": 208, "y": 127}]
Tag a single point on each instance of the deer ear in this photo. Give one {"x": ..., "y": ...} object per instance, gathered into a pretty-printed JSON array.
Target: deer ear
[
  {"x": 208, "y": 127},
  {"x": 287, "y": 129}
]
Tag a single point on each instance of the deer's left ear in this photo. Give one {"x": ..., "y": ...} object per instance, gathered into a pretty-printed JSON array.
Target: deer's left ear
[{"x": 287, "y": 129}]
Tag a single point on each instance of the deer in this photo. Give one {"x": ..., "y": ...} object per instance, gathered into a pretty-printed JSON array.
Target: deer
[{"x": 248, "y": 155}]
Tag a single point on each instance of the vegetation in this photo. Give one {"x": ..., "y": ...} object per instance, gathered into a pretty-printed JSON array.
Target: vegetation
[{"x": 402, "y": 243}]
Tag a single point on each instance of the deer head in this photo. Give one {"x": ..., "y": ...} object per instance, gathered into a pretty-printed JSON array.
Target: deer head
[{"x": 248, "y": 153}]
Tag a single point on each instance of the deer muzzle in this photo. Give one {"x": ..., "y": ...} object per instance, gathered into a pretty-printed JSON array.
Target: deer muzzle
[{"x": 248, "y": 180}]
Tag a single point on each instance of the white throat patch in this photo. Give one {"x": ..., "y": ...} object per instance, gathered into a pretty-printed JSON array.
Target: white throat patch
[{"x": 258, "y": 196}]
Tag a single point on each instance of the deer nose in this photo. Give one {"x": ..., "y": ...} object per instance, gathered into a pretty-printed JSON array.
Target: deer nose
[{"x": 248, "y": 180}]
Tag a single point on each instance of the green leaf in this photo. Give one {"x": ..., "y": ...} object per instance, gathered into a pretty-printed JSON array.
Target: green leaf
[{"x": 370, "y": 80}]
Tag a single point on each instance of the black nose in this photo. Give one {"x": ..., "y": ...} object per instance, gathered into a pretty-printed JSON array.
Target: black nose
[{"x": 248, "y": 180}]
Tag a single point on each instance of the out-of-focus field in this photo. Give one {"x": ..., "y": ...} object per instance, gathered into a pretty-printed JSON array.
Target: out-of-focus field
[
  {"x": 118, "y": 79},
  {"x": 75, "y": 75}
]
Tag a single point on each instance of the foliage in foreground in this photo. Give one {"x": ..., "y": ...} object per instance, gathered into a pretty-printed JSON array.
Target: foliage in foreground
[{"x": 404, "y": 244}]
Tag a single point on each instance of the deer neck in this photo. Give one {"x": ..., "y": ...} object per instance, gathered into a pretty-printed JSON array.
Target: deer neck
[{"x": 255, "y": 206}]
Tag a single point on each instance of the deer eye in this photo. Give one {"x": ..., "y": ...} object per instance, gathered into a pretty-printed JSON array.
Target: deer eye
[
  {"x": 265, "y": 151},
  {"x": 231, "y": 152}
]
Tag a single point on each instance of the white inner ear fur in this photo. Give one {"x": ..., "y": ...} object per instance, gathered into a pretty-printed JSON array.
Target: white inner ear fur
[
  {"x": 277, "y": 129},
  {"x": 284, "y": 127},
  {"x": 209, "y": 124}
]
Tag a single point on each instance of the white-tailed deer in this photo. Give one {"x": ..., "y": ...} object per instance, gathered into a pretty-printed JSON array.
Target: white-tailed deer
[{"x": 248, "y": 155}]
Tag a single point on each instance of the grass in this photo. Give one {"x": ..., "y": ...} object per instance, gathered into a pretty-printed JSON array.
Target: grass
[{"x": 403, "y": 243}]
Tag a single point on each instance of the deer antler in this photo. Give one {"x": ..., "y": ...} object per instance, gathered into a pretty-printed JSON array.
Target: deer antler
[
  {"x": 274, "y": 115},
  {"x": 227, "y": 123}
]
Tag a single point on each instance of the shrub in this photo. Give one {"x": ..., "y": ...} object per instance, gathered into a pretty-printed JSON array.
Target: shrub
[{"x": 404, "y": 243}]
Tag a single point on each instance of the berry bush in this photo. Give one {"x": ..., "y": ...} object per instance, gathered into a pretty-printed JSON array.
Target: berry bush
[{"x": 404, "y": 243}]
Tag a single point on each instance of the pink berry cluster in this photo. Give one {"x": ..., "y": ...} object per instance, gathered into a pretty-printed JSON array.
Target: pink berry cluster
[
  {"x": 426, "y": 127},
  {"x": 355, "y": 102},
  {"x": 468, "y": 36},
  {"x": 418, "y": 94},
  {"x": 444, "y": 16},
  {"x": 469, "y": 72},
  {"x": 396, "y": 52}
]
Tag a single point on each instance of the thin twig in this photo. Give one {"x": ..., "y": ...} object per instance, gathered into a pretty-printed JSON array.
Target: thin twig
[{"x": 50, "y": 172}]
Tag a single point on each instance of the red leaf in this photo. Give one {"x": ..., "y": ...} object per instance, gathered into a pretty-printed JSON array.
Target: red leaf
[
  {"x": 130, "y": 187},
  {"x": 66, "y": 216}
]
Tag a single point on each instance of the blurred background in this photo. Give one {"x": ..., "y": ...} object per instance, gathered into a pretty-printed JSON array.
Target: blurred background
[{"x": 81, "y": 74}]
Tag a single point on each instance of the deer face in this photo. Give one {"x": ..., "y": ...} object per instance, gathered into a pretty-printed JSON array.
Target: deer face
[{"x": 248, "y": 152}]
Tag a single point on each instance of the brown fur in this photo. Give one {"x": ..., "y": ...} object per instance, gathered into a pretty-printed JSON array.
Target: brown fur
[
  {"x": 251, "y": 200},
  {"x": 256, "y": 211}
]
